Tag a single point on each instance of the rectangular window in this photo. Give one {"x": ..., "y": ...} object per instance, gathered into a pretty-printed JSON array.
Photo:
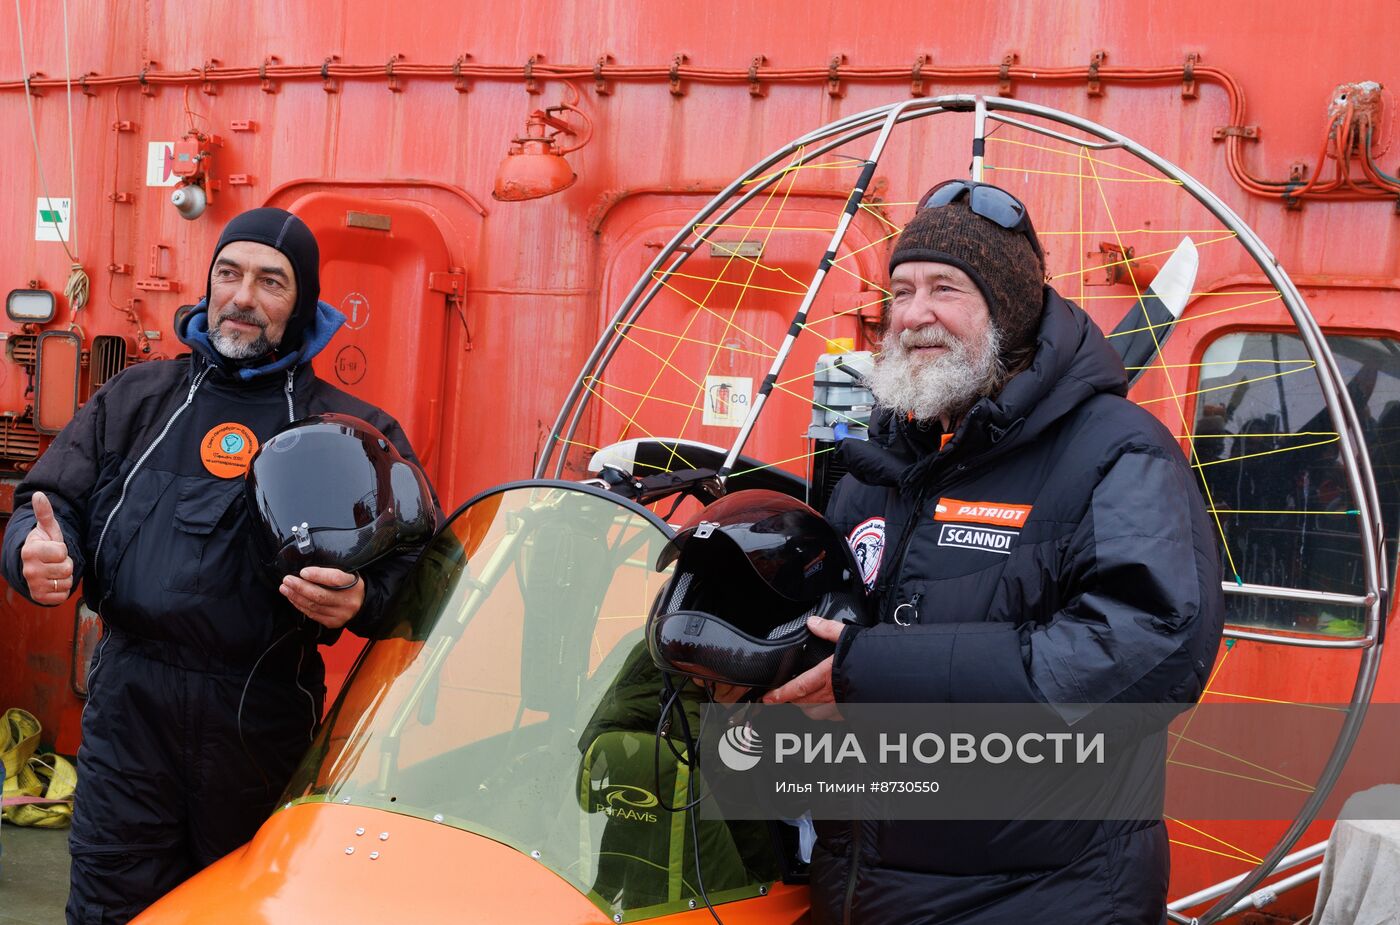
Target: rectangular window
[{"x": 1269, "y": 456}]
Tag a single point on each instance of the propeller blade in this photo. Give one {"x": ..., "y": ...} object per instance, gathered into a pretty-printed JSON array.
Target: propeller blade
[{"x": 1148, "y": 324}]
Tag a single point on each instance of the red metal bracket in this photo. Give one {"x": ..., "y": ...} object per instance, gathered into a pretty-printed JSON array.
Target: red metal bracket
[
  {"x": 916, "y": 77},
  {"x": 1119, "y": 262},
  {"x": 157, "y": 266},
  {"x": 157, "y": 285},
  {"x": 207, "y": 86},
  {"x": 119, "y": 197},
  {"x": 1297, "y": 176},
  {"x": 124, "y": 126},
  {"x": 33, "y": 90},
  {"x": 676, "y": 61},
  {"x": 1249, "y": 132},
  {"x": 119, "y": 269},
  {"x": 142, "y": 341},
  {"x": 83, "y": 82},
  {"x": 1004, "y": 72},
  {"x": 329, "y": 83},
  {"x": 243, "y": 125},
  {"x": 601, "y": 85},
  {"x": 241, "y": 179},
  {"x": 1095, "y": 87},
  {"x": 833, "y": 76},
  {"x": 756, "y": 88},
  {"x": 146, "y": 88},
  {"x": 394, "y": 85},
  {"x": 267, "y": 85},
  {"x": 1188, "y": 76},
  {"x": 459, "y": 83},
  {"x": 531, "y": 85}
]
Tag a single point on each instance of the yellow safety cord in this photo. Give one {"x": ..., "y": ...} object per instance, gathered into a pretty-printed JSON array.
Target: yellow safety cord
[{"x": 38, "y": 788}]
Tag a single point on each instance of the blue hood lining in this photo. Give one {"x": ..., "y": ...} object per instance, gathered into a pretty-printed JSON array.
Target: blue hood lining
[{"x": 318, "y": 334}]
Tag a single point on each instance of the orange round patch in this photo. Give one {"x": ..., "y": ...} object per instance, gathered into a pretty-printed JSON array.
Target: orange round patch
[{"x": 227, "y": 449}]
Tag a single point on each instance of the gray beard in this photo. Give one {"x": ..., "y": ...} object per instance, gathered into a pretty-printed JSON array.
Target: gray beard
[
  {"x": 939, "y": 387},
  {"x": 235, "y": 349}
]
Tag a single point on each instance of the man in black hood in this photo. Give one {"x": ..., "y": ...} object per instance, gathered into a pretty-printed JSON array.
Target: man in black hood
[
  {"x": 1029, "y": 536},
  {"x": 283, "y": 248},
  {"x": 207, "y": 685}
]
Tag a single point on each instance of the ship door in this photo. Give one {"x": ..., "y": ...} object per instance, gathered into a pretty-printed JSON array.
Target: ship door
[
  {"x": 695, "y": 358},
  {"x": 385, "y": 265}
]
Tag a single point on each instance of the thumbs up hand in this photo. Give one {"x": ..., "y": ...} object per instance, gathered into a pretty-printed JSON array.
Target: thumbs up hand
[{"x": 48, "y": 569}]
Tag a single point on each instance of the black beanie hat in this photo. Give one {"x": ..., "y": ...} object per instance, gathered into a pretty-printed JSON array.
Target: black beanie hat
[
  {"x": 284, "y": 232},
  {"x": 1003, "y": 263}
]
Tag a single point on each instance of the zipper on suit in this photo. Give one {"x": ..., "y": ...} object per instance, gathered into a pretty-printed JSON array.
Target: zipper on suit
[
  {"x": 906, "y": 537},
  {"x": 913, "y": 605},
  {"x": 901, "y": 552},
  {"x": 291, "y": 412},
  {"x": 194, "y": 387}
]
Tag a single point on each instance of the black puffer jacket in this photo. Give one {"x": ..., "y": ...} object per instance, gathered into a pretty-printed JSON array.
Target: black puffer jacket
[{"x": 1055, "y": 550}]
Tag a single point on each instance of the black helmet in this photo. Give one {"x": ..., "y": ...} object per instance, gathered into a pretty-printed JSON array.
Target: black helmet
[
  {"x": 750, "y": 569},
  {"x": 330, "y": 490}
]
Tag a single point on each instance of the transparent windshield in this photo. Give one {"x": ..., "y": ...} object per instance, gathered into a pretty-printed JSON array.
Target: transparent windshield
[{"x": 516, "y": 700}]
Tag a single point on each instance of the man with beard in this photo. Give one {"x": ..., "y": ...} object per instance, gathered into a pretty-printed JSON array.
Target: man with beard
[
  {"x": 207, "y": 685},
  {"x": 1044, "y": 542}
]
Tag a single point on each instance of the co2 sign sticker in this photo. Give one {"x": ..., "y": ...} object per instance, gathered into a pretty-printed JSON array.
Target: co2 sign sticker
[
  {"x": 227, "y": 450},
  {"x": 727, "y": 400}
]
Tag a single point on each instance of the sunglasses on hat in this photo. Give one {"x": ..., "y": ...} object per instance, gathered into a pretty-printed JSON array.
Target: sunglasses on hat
[{"x": 993, "y": 203}]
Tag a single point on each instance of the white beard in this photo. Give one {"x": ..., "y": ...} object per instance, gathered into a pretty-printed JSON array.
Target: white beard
[{"x": 930, "y": 388}]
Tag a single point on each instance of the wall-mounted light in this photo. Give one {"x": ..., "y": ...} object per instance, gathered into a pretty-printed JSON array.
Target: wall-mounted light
[
  {"x": 535, "y": 166},
  {"x": 30, "y": 306}
]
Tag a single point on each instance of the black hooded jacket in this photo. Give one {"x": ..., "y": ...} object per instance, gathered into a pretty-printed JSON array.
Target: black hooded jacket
[
  {"x": 207, "y": 685},
  {"x": 162, "y": 547},
  {"x": 1056, "y": 549}
]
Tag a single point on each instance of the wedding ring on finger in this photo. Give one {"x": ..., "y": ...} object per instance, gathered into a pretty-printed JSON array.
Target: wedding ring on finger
[{"x": 55, "y": 585}]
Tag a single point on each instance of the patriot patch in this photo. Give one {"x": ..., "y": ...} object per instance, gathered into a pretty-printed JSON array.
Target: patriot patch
[
  {"x": 983, "y": 538},
  {"x": 992, "y": 513},
  {"x": 868, "y": 544}
]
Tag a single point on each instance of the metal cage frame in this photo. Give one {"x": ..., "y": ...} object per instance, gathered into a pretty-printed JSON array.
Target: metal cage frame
[{"x": 1231, "y": 895}]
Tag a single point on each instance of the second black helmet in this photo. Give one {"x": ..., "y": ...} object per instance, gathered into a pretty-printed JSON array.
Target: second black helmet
[{"x": 750, "y": 569}]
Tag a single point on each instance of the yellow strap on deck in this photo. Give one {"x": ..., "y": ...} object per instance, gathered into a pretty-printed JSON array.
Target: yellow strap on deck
[{"x": 38, "y": 789}]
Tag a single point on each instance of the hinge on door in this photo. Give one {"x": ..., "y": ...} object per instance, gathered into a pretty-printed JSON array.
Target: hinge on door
[{"x": 454, "y": 283}]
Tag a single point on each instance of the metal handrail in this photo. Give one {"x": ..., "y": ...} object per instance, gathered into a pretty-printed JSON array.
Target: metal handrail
[
  {"x": 1268, "y": 895},
  {"x": 1220, "y": 889},
  {"x": 1279, "y": 592}
]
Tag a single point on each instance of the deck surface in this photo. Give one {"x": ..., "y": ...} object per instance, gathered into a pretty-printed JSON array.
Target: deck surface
[{"x": 33, "y": 875}]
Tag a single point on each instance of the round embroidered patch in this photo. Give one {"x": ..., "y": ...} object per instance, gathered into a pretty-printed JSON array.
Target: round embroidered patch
[
  {"x": 868, "y": 544},
  {"x": 228, "y": 449}
]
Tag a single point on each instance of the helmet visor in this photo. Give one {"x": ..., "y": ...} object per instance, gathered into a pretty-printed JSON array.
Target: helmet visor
[
  {"x": 333, "y": 481},
  {"x": 789, "y": 545}
]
